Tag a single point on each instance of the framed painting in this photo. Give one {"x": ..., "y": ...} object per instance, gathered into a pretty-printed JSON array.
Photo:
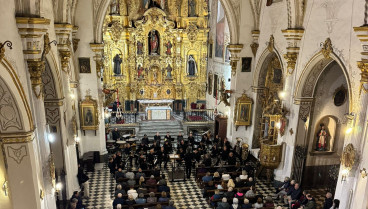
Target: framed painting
[
  {"x": 84, "y": 65},
  {"x": 243, "y": 111},
  {"x": 89, "y": 114},
  {"x": 246, "y": 64},
  {"x": 209, "y": 83}
]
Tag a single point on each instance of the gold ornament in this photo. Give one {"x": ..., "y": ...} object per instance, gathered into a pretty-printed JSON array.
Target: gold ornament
[
  {"x": 348, "y": 157},
  {"x": 327, "y": 48}
]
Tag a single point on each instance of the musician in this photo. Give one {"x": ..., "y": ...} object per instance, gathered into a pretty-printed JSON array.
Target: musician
[
  {"x": 191, "y": 139},
  {"x": 155, "y": 147},
  {"x": 128, "y": 152},
  {"x": 162, "y": 156},
  {"x": 188, "y": 158},
  {"x": 181, "y": 154},
  {"x": 151, "y": 159},
  {"x": 182, "y": 144},
  {"x": 180, "y": 137},
  {"x": 145, "y": 140},
  {"x": 231, "y": 159},
  {"x": 217, "y": 139},
  {"x": 225, "y": 143},
  {"x": 224, "y": 153},
  {"x": 115, "y": 134},
  {"x": 238, "y": 148},
  {"x": 196, "y": 156},
  {"x": 157, "y": 138},
  {"x": 202, "y": 148},
  {"x": 168, "y": 147},
  {"x": 168, "y": 137}
]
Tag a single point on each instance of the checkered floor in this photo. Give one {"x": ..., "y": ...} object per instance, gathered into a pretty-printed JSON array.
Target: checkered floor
[
  {"x": 186, "y": 194},
  {"x": 102, "y": 187}
]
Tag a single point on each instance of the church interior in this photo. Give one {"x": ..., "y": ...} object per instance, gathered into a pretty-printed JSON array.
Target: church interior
[{"x": 176, "y": 104}]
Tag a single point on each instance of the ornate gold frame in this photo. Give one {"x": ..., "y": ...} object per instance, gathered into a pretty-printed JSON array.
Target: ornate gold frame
[
  {"x": 243, "y": 100},
  {"x": 348, "y": 157},
  {"x": 89, "y": 103}
]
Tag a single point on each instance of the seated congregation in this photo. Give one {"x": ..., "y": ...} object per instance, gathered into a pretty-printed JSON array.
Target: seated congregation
[{"x": 226, "y": 179}]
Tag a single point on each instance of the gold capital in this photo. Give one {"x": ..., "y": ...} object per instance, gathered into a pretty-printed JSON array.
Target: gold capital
[
  {"x": 363, "y": 66},
  {"x": 36, "y": 68},
  {"x": 291, "y": 58},
  {"x": 65, "y": 56}
]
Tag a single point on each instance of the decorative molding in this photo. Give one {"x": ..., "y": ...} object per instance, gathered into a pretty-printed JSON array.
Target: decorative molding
[
  {"x": 14, "y": 138},
  {"x": 52, "y": 115},
  {"x": 17, "y": 154},
  {"x": 2, "y": 48},
  {"x": 271, "y": 44},
  {"x": 363, "y": 66},
  {"x": 327, "y": 48},
  {"x": 349, "y": 157},
  {"x": 234, "y": 49},
  {"x": 10, "y": 118},
  {"x": 36, "y": 68},
  {"x": 293, "y": 38}
]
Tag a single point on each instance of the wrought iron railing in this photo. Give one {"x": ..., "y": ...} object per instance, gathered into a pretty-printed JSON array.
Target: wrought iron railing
[{"x": 199, "y": 115}]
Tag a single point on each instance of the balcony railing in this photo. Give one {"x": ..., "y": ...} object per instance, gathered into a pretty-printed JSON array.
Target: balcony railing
[
  {"x": 200, "y": 115},
  {"x": 124, "y": 117}
]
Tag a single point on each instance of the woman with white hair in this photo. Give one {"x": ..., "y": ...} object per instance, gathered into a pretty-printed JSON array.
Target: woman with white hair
[
  {"x": 235, "y": 204},
  {"x": 230, "y": 183}
]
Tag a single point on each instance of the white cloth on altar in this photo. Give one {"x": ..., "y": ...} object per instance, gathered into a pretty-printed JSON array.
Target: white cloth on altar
[
  {"x": 155, "y": 101},
  {"x": 158, "y": 112}
]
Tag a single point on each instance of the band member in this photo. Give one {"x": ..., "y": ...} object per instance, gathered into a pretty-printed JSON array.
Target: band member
[
  {"x": 162, "y": 156},
  {"x": 188, "y": 158},
  {"x": 180, "y": 137},
  {"x": 157, "y": 138},
  {"x": 182, "y": 144},
  {"x": 191, "y": 139},
  {"x": 151, "y": 159},
  {"x": 168, "y": 137},
  {"x": 168, "y": 147},
  {"x": 145, "y": 140}
]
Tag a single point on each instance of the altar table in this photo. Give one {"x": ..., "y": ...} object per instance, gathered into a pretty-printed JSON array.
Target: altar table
[{"x": 158, "y": 113}]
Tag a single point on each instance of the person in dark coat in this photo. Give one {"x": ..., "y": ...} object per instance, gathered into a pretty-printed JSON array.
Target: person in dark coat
[
  {"x": 115, "y": 134},
  {"x": 151, "y": 159},
  {"x": 145, "y": 140},
  {"x": 231, "y": 159},
  {"x": 188, "y": 158},
  {"x": 79, "y": 203},
  {"x": 328, "y": 201},
  {"x": 168, "y": 137},
  {"x": 157, "y": 138},
  {"x": 191, "y": 139}
]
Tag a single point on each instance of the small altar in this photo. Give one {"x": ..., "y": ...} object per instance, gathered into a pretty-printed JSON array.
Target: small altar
[
  {"x": 143, "y": 104},
  {"x": 158, "y": 113}
]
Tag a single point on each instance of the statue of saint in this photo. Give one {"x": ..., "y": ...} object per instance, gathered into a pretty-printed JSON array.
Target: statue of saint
[
  {"x": 168, "y": 69},
  {"x": 322, "y": 137},
  {"x": 153, "y": 42},
  {"x": 139, "y": 48},
  {"x": 192, "y": 6},
  {"x": 192, "y": 67},
  {"x": 140, "y": 71},
  {"x": 168, "y": 48},
  {"x": 117, "y": 62},
  {"x": 114, "y": 7}
]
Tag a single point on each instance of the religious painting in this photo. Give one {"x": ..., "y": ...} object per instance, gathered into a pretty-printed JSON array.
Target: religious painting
[
  {"x": 210, "y": 50},
  {"x": 215, "y": 85},
  {"x": 89, "y": 114},
  {"x": 227, "y": 54},
  {"x": 246, "y": 64},
  {"x": 243, "y": 111},
  {"x": 340, "y": 96},
  {"x": 209, "y": 83},
  {"x": 168, "y": 70},
  {"x": 84, "y": 65},
  {"x": 277, "y": 75},
  {"x": 140, "y": 71},
  {"x": 154, "y": 42},
  {"x": 192, "y": 8},
  {"x": 139, "y": 48},
  {"x": 114, "y": 7},
  {"x": 220, "y": 32}
]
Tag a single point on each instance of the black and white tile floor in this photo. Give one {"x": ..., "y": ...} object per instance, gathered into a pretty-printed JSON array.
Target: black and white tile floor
[{"x": 186, "y": 194}]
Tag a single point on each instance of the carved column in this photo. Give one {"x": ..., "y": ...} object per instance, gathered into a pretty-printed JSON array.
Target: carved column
[
  {"x": 64, "y": 44},
  {"x": 32, "y": 32},
  {"x": 255, "y": 44},
  {"x": 293, "y": 38},
  {"x": 98, "y": 49},
  {"x": 23, "y": 179},
  {"x": 234, "y": 49}
]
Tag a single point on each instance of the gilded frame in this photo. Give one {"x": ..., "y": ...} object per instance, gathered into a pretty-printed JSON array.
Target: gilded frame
[
  {"x": 89, "y": 114},
  {"x": 243, "y": 111}
]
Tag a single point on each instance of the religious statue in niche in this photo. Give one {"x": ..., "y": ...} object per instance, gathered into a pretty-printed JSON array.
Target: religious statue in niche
[
  {"x": 117, "y": 62},
  {"x": 154, "y": 42},
  {"x": 168, "y": 48},
  {"x": 168, "y": 70},
  {"x": 192, "y": 66},
  {"x": 139, "y": 48},
  {"x": 322, "y": 137},
  {"x": 114, "y": 7},
  {"x": 192, "y": 8},
  {"x": 140, "y": 71}
]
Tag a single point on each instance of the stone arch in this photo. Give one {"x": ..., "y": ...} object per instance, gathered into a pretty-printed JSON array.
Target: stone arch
[
  {"x": 54, "y": 74},
  {"x": 12, "y": 92},
  {"x": 310, "y": 75},
  {"x": 229, "y": 12}
]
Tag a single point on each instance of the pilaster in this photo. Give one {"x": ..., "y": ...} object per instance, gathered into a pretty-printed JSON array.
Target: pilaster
[
  {"x": 64, "y": 35},
  {"x": 33, "y": 33},
  {"x": 293, "y": 38},
  {"x": 234, "y": 49}
]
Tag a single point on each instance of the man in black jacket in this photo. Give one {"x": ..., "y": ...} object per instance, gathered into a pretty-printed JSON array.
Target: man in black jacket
[
  {"x": 292, "y": 195},
  {"x": 188, "y": 158},
  {"x": 329, "y": 201},
  {"x": 157, "y": 138},
  {"x": 145, "y": 140}
]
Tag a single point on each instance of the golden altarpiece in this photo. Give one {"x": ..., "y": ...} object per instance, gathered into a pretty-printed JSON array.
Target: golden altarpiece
[{"x": 156, "y": 51}]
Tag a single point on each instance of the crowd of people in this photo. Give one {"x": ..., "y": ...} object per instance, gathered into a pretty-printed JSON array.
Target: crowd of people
[{"x": 227, "y": 180}]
